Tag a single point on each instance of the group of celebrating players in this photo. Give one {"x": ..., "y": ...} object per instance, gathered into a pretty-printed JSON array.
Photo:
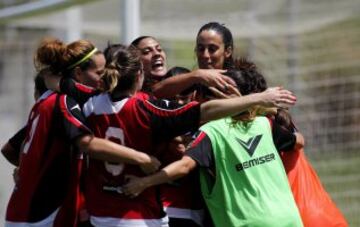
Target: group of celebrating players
[{"x": 117, "y": 139}]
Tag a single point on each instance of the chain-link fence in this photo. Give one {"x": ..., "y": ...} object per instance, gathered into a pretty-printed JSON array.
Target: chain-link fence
[{"x": 311, "y": 47}]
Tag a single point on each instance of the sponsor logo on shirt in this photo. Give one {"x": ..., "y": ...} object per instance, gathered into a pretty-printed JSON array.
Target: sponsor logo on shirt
[
  {"x": 250, "y": 147},
  {"x": 254, "y": 162}
]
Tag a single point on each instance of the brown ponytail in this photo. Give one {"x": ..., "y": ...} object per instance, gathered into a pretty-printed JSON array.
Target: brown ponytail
[
  {"x": 120, "y": 74},
  {"x": 110, "y": 78}
]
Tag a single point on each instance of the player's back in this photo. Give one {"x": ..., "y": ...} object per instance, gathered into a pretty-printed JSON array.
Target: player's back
[{"x": 125, "y": 122}]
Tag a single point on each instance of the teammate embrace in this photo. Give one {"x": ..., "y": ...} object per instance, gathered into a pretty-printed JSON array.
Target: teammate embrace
[{"x": 107, "y": 109}]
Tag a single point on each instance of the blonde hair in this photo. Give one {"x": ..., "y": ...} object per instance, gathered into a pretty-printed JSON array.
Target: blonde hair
[{"x": 110, "y": 78}]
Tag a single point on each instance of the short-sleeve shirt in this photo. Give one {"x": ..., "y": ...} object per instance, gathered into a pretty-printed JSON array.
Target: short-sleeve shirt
[
  {"x": 141, "y": 123},
  {"x": 48, "y": 170},
  {"x": 201, "y": 149}
]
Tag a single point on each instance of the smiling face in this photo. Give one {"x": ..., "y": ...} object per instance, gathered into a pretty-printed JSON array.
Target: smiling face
[
  {"x": 152, "y": 57},
  {"x": 210, "y": 50}
]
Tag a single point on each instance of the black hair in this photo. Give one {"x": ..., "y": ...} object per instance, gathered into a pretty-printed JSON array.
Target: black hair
[
  {"x": 111, "y": 51},
  {"x": 176, "y": 70},
  {"x": 247, "y": 77},
  {"x": 284, "y": 120},
  {"x": 136, "y": 41},
  {"x": 250, "y": 80},
  {"x": 227, "y": 38},
  {"x": 247, "y": 82}
]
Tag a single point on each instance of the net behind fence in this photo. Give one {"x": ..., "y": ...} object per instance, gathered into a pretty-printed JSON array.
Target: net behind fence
[{"x": 310, "y": 47}]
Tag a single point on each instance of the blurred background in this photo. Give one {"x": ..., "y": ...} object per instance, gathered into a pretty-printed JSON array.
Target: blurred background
[{"x": 309, "y": 46}]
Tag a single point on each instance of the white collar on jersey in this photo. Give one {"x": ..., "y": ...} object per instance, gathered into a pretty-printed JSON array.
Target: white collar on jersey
[
  {"x": 102, "y": 104},
  {"x": 45, "y": 95}
]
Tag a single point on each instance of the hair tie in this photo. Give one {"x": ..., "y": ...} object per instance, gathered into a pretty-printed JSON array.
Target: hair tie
[{"x": 86, "y": 57}]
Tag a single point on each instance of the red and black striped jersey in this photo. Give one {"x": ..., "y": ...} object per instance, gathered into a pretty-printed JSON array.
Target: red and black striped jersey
[
  {"x": 140, "y": 123},
  {"x": 80, "y": 92},
  {"x": 47, "y": 189}
]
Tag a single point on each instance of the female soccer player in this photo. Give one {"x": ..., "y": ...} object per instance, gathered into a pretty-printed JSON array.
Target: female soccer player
[
  {"x": 129, "y": 117},
  {"x": 242, "y": 177},
  {"x": 46, "y": 193}
]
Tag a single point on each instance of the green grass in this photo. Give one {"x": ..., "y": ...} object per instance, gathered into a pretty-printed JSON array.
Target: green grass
[{"x": 339, "y": 173}]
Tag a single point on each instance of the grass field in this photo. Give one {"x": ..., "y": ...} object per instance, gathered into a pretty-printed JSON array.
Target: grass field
[{"x": 339, "y": 173}]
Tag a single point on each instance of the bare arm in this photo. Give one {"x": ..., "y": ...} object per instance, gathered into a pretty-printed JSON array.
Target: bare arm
[
  {"x": 106, "y": 150},
  {"x": 176, "y": 84},
  {"x": 171, "y": 172},
  {"x": 272, "y": 97}
]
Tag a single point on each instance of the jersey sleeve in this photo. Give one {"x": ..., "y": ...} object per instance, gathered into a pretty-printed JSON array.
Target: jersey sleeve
[
  {"x": 284, "y": 139},
  {"x": 169, "y": 119},
  {"x": 81, "y": 93},
  {"x": 17, "y": 140},
  {"x": 201, "y": 151},
  {"x": 73, "y": 118}
]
